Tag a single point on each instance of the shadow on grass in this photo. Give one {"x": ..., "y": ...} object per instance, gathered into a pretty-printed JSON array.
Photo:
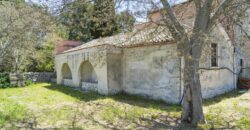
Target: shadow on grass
[
  {"x": 121, "y": 97},
  {"x": 160, "y": 122},
  {"x": 83, "y": 96},
  {"x": 220, "y": 98}
]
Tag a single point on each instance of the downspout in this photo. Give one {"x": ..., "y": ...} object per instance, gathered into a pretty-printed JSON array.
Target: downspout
[
  {"x": 181, "y": 80},
  {"x": 234, "y": 67}
]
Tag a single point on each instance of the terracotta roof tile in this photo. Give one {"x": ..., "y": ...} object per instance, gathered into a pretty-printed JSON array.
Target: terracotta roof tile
[{"x": 147, "y": 36}]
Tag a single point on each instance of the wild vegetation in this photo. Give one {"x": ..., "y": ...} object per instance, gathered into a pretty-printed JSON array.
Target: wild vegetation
[
  {"x": 50, "y": 106},
  {"x": 26, "y": 37}
]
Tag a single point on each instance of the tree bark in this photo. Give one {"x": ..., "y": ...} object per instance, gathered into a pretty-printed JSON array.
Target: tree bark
[{"x": 192, "y": 101}]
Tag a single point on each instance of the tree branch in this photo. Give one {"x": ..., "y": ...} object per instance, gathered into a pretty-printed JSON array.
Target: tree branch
[
  {"x": 219, "y": 11},
  {"x": 172, "y": 17},
  {"x": 197, "y": 4}
]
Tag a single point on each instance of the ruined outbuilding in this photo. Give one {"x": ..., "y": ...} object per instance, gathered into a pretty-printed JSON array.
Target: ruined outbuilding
[{"x": 145, "y": 62}]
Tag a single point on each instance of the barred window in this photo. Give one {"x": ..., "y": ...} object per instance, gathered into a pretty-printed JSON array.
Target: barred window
[{"x": 214, "y": 55}]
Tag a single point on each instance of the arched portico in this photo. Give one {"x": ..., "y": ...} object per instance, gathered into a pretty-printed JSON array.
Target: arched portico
[
  {"x": 66, "y": 75},
  {"x": 88, "y": 77}
]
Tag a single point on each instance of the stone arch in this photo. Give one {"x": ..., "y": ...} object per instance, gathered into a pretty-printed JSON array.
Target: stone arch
[
  {"x": 66, "y": 75},
  {"x": 88, "y": 76},
  {"x": 66, "y": 72},
  {"x": 87, "y": 72}
]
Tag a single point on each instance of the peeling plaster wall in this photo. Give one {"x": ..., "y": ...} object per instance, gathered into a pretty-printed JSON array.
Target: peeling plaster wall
[
  {"x": 242, "y": 47},
  {"x": 153, "y": 72},
  {"x": 114, "y": 67},
  {"x": 97, "y": 56},
  {"x": 218, "y": 80}
]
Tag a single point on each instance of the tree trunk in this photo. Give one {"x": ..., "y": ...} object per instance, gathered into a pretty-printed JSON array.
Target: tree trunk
[{"x": 192, "y": 101}]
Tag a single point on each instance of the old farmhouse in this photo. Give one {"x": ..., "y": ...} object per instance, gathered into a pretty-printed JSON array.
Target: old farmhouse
[{"x": 145, "y": 62}]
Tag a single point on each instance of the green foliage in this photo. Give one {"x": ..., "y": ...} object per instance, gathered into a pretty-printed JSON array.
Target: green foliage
[
  {"x": 11, "y": 111},
  {"x": 28, "y": 82},
  {"x": 24, "y": 30},
  {"x": 244, "y": 123},
  {"x": 76, "y": 16},
  {"x": 44, "y": 58},
  {"x": 4, "y": 80},
  {"x": 103, "y": 21},
  {"x": 86, "y": 21},
  {"x": 125, "y": 21}
]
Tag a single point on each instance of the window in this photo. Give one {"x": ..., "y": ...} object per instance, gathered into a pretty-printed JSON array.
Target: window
[
  {"x": 241, "y": 63},
  {"x": 214, "y": 55}
]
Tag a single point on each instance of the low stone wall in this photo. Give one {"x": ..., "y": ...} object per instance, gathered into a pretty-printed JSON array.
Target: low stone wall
[
  {"x": 20, "y": 78},
  {"x": 87, "y": 86},
  {"x": 40, "y": 76},
  {"x": 68, "y": 82}
]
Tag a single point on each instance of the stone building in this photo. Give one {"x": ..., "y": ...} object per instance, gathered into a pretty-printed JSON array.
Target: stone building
[
  {"x": 145, "y": 62},
  {"x": 242, "y": 41}
]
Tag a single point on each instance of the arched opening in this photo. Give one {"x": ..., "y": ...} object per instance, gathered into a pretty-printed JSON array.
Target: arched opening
[
  {"x": 88, "y": 76},
  {"x": 66, "y": 75}
]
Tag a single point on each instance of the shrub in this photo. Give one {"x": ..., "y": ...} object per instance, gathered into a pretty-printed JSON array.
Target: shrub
[
  {"x": 4, "y": 80},
  {"x": 28, "y": 82}
]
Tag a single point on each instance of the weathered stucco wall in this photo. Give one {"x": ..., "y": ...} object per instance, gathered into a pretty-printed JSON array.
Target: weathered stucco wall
[
  {"x": 216, "y": 82},
  {"x": 243, "y": 44},
  {"x": 152, "y": 71},
  {"x": 97, "y": 56},
  {"x": 246, "y": 64},
  {"x": 114, "y": 67},
  {"x": 220, "y": 79}
]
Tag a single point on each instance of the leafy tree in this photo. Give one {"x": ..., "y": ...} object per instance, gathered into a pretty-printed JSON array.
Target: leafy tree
[
  {"x": 103, "y": 21},
  {"x": 76, "y": 16},
  {"x": 23, "y": 30},
  {"x": 125, "y": 21}
]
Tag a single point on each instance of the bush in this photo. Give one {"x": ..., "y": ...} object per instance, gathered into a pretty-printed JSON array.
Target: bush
[
  {"x": 28, "y": 82},
  {"x": 4, "y": 80}
]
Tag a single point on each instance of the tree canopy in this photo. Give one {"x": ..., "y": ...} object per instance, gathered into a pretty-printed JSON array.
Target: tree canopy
[
  {"x": 24, "y": 31},
  {"x": 90, "y": 20}
]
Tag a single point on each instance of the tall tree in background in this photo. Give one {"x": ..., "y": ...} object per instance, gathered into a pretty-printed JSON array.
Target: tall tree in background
[
  {"x": 103, "y": 21},
  {"x": 77, "y": 17},
  {"x": 125, "y": 21}
]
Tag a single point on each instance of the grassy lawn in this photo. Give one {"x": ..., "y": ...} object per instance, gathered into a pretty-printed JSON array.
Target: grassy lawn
[{"x": 49, "y": 106}]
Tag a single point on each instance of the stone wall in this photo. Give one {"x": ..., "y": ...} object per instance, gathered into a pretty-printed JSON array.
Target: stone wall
[
  {"x": 216, "y": 82},
  {"x": 219, "y": 79},
  {"x": 96, "y": 56},
  {"x": 243, "y": 45},
  {"x": 114, "y": 67},
  {"x": 86, "y": 86},
  {"x": 40, "y": 76},
  {"x": 20, "y": 78},
  {"x": 153, "y": 71}
]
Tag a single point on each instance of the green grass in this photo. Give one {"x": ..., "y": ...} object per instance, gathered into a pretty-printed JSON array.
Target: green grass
[{"x": 50, "y": 106}]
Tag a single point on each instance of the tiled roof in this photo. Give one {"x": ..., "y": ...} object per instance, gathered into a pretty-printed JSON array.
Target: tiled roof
[
  {"x": 62, "y": 46},
  {"x": 148, "y": 33},
  {"x": 147, "y": 36}
]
